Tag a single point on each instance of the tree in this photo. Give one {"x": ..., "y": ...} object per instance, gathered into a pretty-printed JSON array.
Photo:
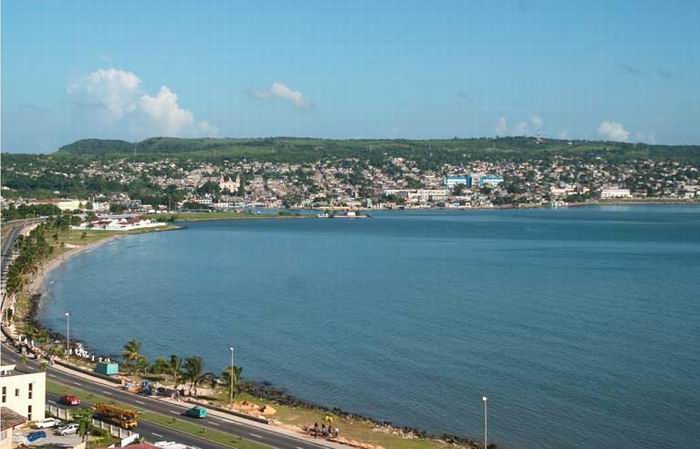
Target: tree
[
  {"x": 132, "y": 354},
  {"x": 176, "y": 367},
  {"x": 83, "y": 418},
  {"x": 193, "y": 373},
  {"x": 231, "y": 378}
]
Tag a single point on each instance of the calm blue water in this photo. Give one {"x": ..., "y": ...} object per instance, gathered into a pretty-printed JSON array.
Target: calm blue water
[{"x": 582, "y": 325}]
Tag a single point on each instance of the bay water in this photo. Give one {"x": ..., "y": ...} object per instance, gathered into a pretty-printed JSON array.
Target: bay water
[{"x": 581, "y": 325}]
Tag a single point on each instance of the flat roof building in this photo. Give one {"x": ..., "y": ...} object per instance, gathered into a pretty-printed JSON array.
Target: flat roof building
[{"x": 23, "y": 392}]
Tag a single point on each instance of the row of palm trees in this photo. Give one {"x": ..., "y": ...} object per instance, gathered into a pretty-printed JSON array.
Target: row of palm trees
[
  {"x": 189, "y": 370},
  {"x": 32, "y": 250}
]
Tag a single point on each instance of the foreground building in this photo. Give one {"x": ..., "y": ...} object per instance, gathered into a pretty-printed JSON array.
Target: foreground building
[
  {"x": 23, "y": 392},
  {"x": 8, "y": 421}
]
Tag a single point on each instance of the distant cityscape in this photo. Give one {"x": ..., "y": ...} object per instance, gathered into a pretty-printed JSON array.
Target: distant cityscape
[{"x": 353, "y": 183}]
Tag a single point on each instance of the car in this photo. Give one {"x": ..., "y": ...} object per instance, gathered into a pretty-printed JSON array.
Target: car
[
  {"x": 34, "y": 436},
  {"x": 196, "y": 412},
  {"x": 70, "y": 429},
  {"x": 48, "y": 423},
  {"x": 70, "y": 399}
]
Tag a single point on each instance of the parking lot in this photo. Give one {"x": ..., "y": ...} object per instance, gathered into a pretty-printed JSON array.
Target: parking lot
[{"x": 51, "y": 440}]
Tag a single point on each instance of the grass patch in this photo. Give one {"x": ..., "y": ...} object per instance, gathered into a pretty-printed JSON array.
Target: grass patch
[
  {"x": 170, "y": 422},
  {"x": 355, "y": 429}
]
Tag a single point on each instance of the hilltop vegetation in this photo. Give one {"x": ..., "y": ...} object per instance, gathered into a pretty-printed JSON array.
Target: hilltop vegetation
[
  {"x": 293, "y": 172},
  {"x": 427, "y": 153}
]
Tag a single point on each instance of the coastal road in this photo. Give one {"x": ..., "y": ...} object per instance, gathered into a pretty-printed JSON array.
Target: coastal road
[
  {"x": 154, "y": 434},
  {"x": 258, "y": 433},
  {"x": 8, "y": 241}
]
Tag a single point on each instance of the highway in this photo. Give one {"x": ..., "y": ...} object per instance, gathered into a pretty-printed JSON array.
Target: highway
[
  {"x": 258, "y": 433},
  {"x": 154, "y": 433}
]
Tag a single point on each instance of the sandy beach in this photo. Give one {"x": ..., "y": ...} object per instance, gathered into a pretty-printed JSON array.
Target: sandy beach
[{"x": 36, "y": 285}]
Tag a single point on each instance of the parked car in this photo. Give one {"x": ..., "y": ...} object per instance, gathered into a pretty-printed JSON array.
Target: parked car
[
  {"x": 48, "y": 423},
  {"x": 196, "y": 412},
  {"x": 39, "y": 434},
  {"x": 70, "y": 429},
  {"x": 70, "y": 399}
]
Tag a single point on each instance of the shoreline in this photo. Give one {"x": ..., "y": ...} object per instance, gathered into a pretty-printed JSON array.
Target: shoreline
[
  {"x": 36, "y": 290},
  {"x": 37, "y": 284}
]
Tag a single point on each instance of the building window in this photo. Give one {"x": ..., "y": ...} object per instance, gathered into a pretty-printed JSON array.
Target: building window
[
  {"x": 4, "y": 394},
  {"x": 31, "y": 386},
  {"x": 16, "y": 392},
  {"x": 29, "y": 413}
]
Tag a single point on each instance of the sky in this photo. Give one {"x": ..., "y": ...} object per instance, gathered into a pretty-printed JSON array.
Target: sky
[{"x": 614, "y": 70}]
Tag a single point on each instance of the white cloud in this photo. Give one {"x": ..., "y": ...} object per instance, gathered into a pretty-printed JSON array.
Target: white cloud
[
  {"x": 522, "y": 129},
  {"x": 613, "y": 131},
  {"x": 280, "y": 90},
  {"x": 501, "y": 126},
  {"x": 114, "y": 90},
  {"x": 164, "y": 111},
  {"x": 128, "y": 109},
  {"x": 528, "y": 127}
]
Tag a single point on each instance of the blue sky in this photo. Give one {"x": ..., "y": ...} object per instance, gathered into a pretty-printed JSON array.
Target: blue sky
[{"x": 620, "y": 70}]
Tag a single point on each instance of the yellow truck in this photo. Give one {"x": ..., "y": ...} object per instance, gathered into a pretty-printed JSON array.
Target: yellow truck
[{"x": 119, "y": 416}]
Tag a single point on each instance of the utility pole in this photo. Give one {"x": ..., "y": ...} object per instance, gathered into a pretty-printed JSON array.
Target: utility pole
[
  {"x": 68, "y": 333},
  {"x": 231, "y": 374},
  {"x": 486, "y": 422}
]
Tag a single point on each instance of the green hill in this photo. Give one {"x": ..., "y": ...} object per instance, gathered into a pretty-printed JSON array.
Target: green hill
[{"x": 288, "y": 149}]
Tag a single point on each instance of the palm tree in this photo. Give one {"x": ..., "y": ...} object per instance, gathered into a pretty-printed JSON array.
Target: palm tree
[
  {"x": 193, "y": 373},
  {"x": 132, "y": 353},
  {"x": 176, "y": 368},
  {"x": 231, "y": 378},
  {"x": 83, "y": 418}
]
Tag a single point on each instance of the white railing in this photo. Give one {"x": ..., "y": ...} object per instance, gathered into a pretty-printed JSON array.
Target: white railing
[{"x": 127, "y": 436}]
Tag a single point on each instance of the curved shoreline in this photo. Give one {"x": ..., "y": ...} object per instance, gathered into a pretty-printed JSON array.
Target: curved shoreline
[{"x": 37, "y": 288}]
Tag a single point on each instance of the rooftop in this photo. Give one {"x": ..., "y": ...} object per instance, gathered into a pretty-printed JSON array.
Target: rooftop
[{"x": 9, "y": 419}]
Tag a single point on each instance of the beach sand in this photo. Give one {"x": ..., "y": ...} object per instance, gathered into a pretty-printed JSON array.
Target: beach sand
[{"x": 37, "y": 285}]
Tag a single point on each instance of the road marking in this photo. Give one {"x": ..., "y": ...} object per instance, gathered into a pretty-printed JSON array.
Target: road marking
[
  {"x": 157, "y": 435},
  {"x": 139, "y": 402},
  {"x": 255, "y": 435},
  {"x": 214, "y": 423},
  {"x": 52, "y": 375},
  {"x": 77, "y": 383},
  {"x": 299, "y": 447},
  {"x": 108, "y": 393},
  {"x": 175, "y": 411}
]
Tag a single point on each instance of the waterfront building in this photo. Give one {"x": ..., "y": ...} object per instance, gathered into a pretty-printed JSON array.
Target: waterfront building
[
  {"x": 23, "y": 392},
  {"x": 614, "y": 192},
  {"x": 490, "y": 180},
  {"x": 452, "y": 181}
]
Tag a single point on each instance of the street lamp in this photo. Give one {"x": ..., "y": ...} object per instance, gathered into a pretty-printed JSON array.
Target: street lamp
[
  {"x": 68, "y": 333},
  {"x": 486, "y": 422},
  {"x": 231, "y": 374}
]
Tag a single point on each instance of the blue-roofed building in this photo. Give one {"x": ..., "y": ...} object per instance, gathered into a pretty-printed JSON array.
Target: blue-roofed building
[
  {"x": 490, "y": 180},
  {"x": 451, "y": 181}
]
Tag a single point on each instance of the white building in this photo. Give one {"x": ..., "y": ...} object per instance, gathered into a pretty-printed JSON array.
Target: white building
[
  {"x": 614, "y": 192},
  {"x": 24, "y": 393},
  {"x": 229, "y": 184}
]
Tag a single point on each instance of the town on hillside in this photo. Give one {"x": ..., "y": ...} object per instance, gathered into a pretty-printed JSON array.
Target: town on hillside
[{"x": 169, "y": 183}]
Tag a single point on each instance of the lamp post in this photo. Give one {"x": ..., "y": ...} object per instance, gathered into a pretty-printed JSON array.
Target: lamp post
[
  {"x": 486, "y": 422},
  {"x": 231, "y": 374},
  {"x": 68, "y": 333}
]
